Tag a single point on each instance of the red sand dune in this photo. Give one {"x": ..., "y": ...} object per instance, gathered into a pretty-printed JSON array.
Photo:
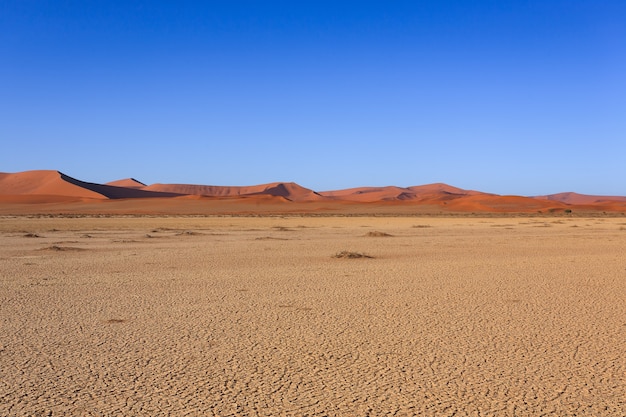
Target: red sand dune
[
  {"x": 503, "y": 204},
  {"x": 291, "y": 191},
  {"x": 53, "y": 191},
  {"x": 575, "y": 198},
  {"x": 56, "y": 183},
  {"x": 42, "y": 182},
  {"x": 435, "y": 191},
  {"x": 441, "y": 188},
  {"x": 43, "y": 199},
  {"x": 367, "y": 194},
  {"x": 127, "y": 183}
]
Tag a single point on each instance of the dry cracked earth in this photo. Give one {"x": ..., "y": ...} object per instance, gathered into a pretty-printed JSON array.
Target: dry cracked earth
[{"x": 226, "y": 316}]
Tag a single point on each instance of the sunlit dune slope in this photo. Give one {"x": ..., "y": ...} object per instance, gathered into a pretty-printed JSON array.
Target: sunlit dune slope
[
  {"x": 127, "y": 182},
  {"x": 575, "y": 198},
  {"x": 437, "y": 191},
  {"x": 45, "y": 182}
]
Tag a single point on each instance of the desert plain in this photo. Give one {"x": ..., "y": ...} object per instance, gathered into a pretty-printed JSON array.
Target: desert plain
[{"x": 258, "y": 316}]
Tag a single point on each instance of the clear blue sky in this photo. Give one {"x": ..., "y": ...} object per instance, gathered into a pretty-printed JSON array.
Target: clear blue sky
[{"x": 510, "y": 97}]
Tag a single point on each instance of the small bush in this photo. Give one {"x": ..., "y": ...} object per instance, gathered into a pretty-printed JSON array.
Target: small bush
[
  {"x": 350, "y": 255},
  {"x": 56, "y": 248},
  {"x": 378, "y": 234}
]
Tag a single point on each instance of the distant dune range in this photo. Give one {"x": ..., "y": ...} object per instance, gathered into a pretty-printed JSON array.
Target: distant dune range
[{"x": 49, "y": 191}]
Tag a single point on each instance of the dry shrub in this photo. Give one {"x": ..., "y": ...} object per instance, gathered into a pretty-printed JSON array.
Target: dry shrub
[
  {"x": 188, "y": 233},
  {"x": 350, "y": 255},
  {"x": 56, "y": 248},
  {"x": 378, "y": 234}
]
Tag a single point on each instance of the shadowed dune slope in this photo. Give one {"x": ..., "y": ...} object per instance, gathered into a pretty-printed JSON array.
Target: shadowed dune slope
[{"x": 117, "y": 192}]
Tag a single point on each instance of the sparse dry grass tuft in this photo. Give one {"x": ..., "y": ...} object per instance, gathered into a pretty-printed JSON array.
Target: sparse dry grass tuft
[
  {"x": 188, "y": 233},
  {"x": 344, "y": 254},
  {"x": 378, "y": 234},
  {"x": 56, "y": 248}
]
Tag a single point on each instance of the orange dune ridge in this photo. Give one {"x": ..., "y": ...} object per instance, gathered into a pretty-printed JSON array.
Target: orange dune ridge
[
  {"x": 127, "y": 182},
  {"x": 41, "y": 182},
  {"x": 52, "y": 191},
  {"x": 575, "y": 198},
  {"x": 434, "y": 192},
  {"x": 503, "y": 204},
  {"x": 291, "y": 191}
]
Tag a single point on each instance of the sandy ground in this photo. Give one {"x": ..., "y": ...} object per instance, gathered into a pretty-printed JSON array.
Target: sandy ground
[{"x": 227, "y": 316}]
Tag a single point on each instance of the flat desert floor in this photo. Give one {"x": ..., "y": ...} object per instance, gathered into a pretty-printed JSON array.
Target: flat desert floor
[{"x": 255, "y": 316}]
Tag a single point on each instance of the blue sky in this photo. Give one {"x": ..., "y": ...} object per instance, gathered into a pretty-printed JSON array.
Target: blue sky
[{"x": 510, "y": 97}]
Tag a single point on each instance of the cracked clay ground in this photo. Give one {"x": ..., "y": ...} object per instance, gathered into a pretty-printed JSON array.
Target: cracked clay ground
[{"x": 226, "y": 316}]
